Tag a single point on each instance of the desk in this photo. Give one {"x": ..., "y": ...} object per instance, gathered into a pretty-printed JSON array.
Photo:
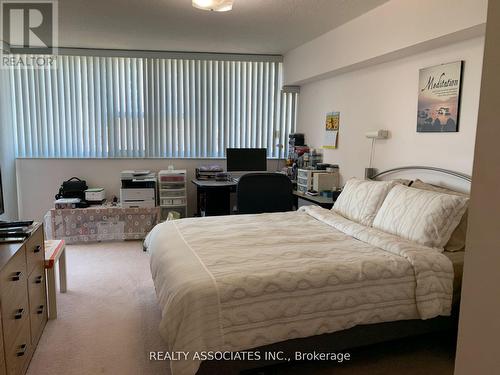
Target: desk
[
  {"x": 214, "y": 197},
  {"x": 310, "y": 200}
]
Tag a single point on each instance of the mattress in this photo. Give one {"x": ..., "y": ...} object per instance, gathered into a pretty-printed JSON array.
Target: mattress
[{"x": 238, "y": 282}]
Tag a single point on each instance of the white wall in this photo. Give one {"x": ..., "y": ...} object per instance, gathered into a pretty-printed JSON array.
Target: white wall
[
  {"x": 395, "y": 29},
  {"x": 385, "y": 96},
  {"x": 38, "y": 180},
  {"x": 478, "y": 350}
]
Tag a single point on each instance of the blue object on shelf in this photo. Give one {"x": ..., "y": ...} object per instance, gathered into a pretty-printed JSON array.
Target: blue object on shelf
[{"x": 327, "y": 194}]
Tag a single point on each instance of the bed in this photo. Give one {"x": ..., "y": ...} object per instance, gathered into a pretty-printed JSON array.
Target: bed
[{"x": 273, "y": 281}]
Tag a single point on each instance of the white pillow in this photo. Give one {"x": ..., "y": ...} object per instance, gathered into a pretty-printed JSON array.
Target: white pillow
[
  {"x": 426, "y": 217},
  {"x": 458, "y": 237},
  {"x": 361, "y": 199}
]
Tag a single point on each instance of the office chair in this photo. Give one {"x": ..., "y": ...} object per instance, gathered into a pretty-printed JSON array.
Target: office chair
[{"x": 264, "y": 192}]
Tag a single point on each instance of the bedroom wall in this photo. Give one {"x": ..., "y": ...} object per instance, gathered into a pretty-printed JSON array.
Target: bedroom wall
[
  {"x": 38, "y": 180},
  {"x": 393, "y": 30},
  {"x": 384, "y": 96}
]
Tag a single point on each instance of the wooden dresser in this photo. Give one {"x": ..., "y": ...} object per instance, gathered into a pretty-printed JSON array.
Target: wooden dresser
[{"x": 23, "y": 301}]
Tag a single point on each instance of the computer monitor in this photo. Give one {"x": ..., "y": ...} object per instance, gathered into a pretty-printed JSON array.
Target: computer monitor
[
  {"x": 246, "y": 159},
  {"x": 2, "y": 210}
]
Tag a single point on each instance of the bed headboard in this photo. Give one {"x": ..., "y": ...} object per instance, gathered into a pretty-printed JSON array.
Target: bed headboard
[{"x": 438, "y": 176}]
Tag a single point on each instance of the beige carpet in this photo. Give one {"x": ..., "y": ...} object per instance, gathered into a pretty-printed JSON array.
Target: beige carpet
[
  {"x": 108, "y": 322},
  {"x": 108, "y": 319}
]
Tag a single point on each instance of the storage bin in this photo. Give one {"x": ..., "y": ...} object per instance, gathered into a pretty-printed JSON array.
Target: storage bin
[{"x": 172, "y": 193}]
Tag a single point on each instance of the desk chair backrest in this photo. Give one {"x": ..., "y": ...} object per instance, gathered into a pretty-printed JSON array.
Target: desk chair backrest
[{"x": 264, "y": 192}]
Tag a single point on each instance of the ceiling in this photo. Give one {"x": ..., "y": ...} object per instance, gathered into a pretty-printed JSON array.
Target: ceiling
[{"x": 253, "y": 26}]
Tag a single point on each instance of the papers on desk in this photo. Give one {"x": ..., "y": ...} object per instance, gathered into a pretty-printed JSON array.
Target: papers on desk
[
  {"x": 312, "y": 193},
  {"x": 208, "y": 172}
]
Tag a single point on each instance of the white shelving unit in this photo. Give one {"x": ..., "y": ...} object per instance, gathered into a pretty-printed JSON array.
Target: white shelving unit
[
  {"x": 304, "y": 180},
  {"x": 172, "y": 191},
  {"x": 306, "y": 177}
]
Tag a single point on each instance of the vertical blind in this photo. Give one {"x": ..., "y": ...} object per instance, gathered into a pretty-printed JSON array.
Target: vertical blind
[{"x": 150, "y": 107}]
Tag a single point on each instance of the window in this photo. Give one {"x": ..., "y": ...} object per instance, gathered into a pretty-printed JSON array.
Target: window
[{"x": 102, "y": 107}]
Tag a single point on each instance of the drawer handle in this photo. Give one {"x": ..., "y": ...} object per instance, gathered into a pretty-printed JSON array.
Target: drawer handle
[
  {"x": 21, "y": 352},
  {"x": 40, "y": 309},
  {"x": 17, "y": 276},
  {"x": 37, "y": 249},
  {"x": 19, "y": 314},
  {"x": 38, "y": 280}
]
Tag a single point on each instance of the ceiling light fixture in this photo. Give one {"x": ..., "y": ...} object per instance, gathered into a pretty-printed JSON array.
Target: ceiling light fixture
[{"x": 214, "y": 5}]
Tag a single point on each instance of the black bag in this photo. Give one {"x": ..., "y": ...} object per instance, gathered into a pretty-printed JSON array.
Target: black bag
[{"x": 73, "y": 188}]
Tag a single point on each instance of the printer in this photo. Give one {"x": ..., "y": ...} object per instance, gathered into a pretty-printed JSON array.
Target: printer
[{"x": 138, "y": 189}]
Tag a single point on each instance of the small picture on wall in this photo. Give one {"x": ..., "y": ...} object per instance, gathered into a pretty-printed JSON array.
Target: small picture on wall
[
  {"x": 439, "y": 92},
  {"x": 332, "y": 126}
]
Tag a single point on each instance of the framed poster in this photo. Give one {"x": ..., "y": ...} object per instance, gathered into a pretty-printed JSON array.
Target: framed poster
[
  {"x": 439, "y": 92},
  {"x": 332, "y": 125}
]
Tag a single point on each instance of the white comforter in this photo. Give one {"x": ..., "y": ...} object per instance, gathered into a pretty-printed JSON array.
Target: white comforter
[{"x": 239, "y": 282}]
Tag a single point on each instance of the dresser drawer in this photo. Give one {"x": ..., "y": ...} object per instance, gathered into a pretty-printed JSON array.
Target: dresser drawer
[
  {"x": 18, "y": 351},
  {"x": 35, "y": 253},
  {"x": 15, "y": 314},
  {"x": 14, "y": 272},
  {"x": 14, "y": 296},
  {"x": 38, "y": 303}
]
